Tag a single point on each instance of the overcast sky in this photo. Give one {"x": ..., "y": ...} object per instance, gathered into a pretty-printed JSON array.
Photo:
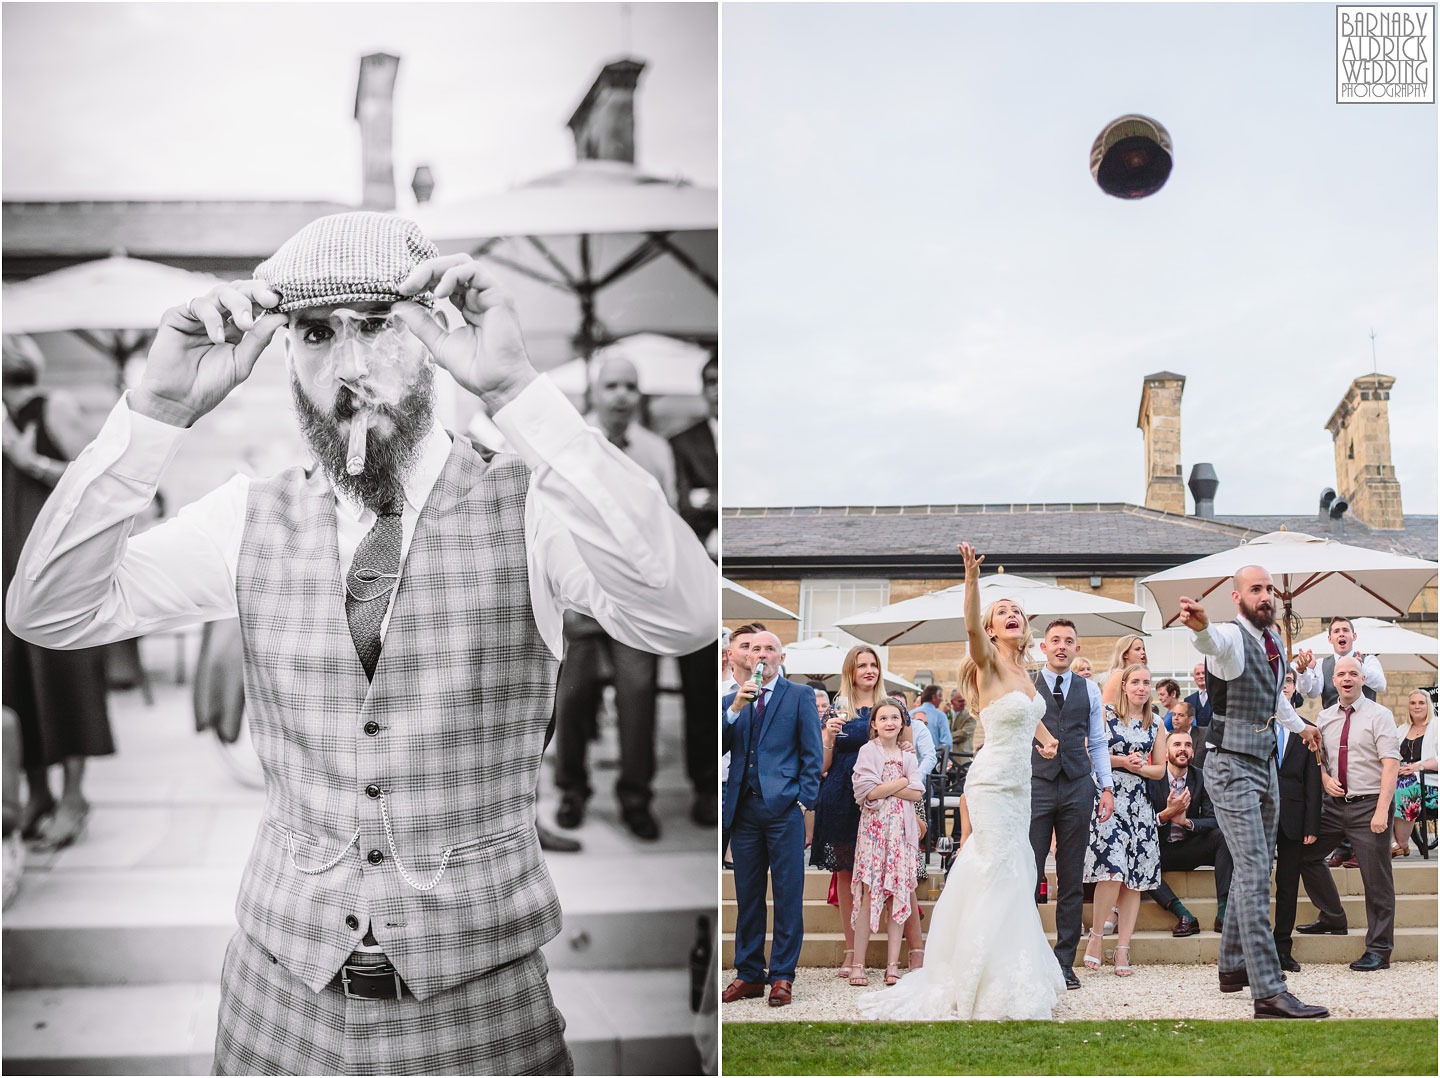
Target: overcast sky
[
  {"x": 927, "y": 299},
  {"x": 257, "y": 100}
]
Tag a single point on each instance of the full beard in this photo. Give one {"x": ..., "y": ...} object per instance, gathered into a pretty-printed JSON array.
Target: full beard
[
  {"x": 1261, "y": 619},
  {"x": 389, "y": 455}
]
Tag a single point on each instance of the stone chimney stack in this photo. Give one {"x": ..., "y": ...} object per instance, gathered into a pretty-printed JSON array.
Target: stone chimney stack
[
  {"x": 374, "y": 110},
  {"x": 1364, "y": 475},
  {"x": 1159, "y": 421},
  {"x": 604, "y": 122}
]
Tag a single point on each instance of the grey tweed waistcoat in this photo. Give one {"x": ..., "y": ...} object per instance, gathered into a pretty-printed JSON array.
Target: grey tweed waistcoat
[
  {"x": 1329, "y": 695},
  {"x": 1244, "y": 708},
  {"x": 430, "y": 768},
  {"x": 1071, "y": 727}
]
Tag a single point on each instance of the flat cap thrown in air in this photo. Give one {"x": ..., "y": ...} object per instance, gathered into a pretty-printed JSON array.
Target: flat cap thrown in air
[{"x": 347, "y": 258}]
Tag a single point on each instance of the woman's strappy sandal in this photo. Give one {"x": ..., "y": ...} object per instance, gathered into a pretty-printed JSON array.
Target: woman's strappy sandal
[
  {"x": 1093, "y": 962},
  {"x": 857, "y": 976},
  {"x": 844, "y": 971},
  {"x": 892, "y": 973},
  {"x": 916, "y": 958},
  {"x": 1123, "y": 969}
]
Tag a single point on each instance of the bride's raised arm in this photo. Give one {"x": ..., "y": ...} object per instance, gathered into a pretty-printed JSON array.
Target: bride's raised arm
[{"x": 982, "y": 648}]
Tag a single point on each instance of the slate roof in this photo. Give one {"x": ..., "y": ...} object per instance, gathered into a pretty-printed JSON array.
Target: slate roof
[{"x": 1103, "y": 537}]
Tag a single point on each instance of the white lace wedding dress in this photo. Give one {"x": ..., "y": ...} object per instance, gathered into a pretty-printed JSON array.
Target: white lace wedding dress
[{"x": 986, "y": 955}]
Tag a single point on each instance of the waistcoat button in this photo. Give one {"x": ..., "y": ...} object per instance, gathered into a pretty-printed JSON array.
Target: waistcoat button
[
  {"x": 352, "y": 922},
  {"x": 372, "y": 791},
  {"x": 372, "y": 727},
  {"x": 376, "y": 857}
]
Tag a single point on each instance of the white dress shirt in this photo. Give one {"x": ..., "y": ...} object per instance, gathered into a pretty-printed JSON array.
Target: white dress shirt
[
  {"x": 1099, "y": 734},
  {"x": 600, "y": 538},
  {"x": 1225, "y": 645},
  {"x": 1312, "y": 683}
]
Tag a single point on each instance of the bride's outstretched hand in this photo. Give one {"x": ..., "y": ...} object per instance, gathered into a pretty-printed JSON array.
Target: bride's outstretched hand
[{"x": 971, "y": 559}]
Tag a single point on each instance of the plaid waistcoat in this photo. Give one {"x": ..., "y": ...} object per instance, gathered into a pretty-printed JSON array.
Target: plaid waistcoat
[
  {"x": 431, "y": 766},
  {"x": 1243, "y": 710}
]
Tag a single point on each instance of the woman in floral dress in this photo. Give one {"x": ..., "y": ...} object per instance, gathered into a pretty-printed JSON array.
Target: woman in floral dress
[
  {"x": 1123, "y": 858},
  {"x": 886, "y": 783}
]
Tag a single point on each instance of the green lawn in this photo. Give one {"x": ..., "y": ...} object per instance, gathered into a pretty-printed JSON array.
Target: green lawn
[{"x": 1354, "y": 1046}]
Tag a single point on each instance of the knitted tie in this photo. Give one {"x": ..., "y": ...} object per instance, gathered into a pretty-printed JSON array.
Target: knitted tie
[{"x": 370, "y": 583}]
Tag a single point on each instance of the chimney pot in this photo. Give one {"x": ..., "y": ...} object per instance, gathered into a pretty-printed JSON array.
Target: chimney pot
[
  {"x": 1203, "y": 485},
  {"x": 423, "y": 184},
  {"x": 604, "y": 122}
]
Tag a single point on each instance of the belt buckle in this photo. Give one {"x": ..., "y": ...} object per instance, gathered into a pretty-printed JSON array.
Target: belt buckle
[{"x": 345, "y": 970}]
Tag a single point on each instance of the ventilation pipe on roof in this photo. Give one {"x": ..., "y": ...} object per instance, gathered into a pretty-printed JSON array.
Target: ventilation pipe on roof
[{"x": 1203, "y": 484}]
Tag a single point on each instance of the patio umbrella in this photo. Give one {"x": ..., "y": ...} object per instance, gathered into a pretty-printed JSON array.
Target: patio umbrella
[
  {"x": 1314, "y": 577},
  {"x": 939, "y": 617},
  {"x": 1400, "y": 650},
  {"x": 112, "y": 304},
  {"x": 737, "y": 602},
  {"x": 820, "y": 659},
  {"x": 667, "y": 366},
  {"x": 593, "y": 253}
]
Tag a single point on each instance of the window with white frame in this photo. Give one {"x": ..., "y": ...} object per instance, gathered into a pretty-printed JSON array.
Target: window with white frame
[{"x": 824, "y": 602}]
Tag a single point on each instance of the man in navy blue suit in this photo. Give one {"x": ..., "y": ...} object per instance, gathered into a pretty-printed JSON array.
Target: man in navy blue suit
[
  {"x": 775, "y": 761},
  {"x": 1199, "y": 700}
]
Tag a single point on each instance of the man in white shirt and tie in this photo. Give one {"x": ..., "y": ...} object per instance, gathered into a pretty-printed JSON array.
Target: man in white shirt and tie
[{"x": 1244, "y": 675}]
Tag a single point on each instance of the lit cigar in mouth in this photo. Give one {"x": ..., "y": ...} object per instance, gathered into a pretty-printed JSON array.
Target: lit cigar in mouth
[{"x": 355, "y": 456}]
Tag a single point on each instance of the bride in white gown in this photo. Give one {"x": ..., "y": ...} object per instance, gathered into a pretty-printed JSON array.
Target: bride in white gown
[{"x": 987, "y": 955}]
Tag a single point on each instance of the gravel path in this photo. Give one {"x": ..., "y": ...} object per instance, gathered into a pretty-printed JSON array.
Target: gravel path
[{"x": 1405, "y": 990}]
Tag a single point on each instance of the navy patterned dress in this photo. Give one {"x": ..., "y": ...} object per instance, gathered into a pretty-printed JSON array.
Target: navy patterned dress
[
  {"x": 837, "y": 816},
  {"x": 1126, "y": 847}
]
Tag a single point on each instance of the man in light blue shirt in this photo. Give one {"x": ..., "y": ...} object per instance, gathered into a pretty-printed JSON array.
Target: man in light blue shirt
[{"x": 934, "y": 718}]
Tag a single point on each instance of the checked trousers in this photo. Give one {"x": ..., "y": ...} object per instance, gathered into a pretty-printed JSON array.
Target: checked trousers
[{"x": 1245, "y": 791}]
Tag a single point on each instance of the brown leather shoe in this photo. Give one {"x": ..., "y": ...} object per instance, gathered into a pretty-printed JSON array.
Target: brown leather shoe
[
  {"x": 780, "y": 994},
  {"x": 1335, "y": 860},
  {"x": 738, "y": 989},
  {"x": 1237, "y": 979},
  {"x": 1287, "y": 1006}
]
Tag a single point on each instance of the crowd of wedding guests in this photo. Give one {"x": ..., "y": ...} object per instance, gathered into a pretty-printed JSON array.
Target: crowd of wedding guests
[{"x": 844, "y": 782}]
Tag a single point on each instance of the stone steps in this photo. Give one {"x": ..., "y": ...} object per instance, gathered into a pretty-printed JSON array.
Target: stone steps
[
  {"x": 618, "y": 1022},
  {"x": 1411, "y": 911},
  {"x": 1148, "y": 948},
  {"x": 1413, "y": 876}
]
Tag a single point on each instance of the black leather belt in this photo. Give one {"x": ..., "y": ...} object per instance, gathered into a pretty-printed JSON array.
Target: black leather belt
[
  {"x": 365, "y": 978},
  {"x": 1347, "y": 798}
]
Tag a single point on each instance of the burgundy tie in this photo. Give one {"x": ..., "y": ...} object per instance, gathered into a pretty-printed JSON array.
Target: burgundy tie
[
  {"x": 1345, "y": 745},
  {"x": 1272, "y": 653}
]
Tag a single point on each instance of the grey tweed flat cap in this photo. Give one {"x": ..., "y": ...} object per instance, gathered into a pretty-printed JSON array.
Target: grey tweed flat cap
[{"x": 347, "y": 258}]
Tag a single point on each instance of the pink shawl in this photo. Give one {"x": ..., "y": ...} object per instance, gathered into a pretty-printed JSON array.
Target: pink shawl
[{"x": 868, "y": 767}]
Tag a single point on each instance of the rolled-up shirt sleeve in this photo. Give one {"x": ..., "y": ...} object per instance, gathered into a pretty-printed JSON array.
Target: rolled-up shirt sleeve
[
  {"x": 602, "y": 538},
  {"x": 83, "y": 580}
]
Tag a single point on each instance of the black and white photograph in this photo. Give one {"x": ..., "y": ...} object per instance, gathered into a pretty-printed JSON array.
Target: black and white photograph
[{"x": 361, "y": 376}]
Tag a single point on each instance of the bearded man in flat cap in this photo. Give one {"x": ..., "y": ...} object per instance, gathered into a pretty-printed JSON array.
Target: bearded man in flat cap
[{"x": 401, "y": 607}]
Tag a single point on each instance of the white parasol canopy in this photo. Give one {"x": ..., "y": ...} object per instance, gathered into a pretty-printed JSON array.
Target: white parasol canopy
[
  {"x": 112, "y": 304},
  {"x": 1315, "y": 577},
  {"x": 114, "y": 293},
  {"x": 737, "y": 602},
  {"x": 821, "y": 659},
  {"x": 939, "y": 617},
  {"x": 1400, "y": 650},
  {"x": 666, "y": 366},
  {"x": 593, "y": 253}
]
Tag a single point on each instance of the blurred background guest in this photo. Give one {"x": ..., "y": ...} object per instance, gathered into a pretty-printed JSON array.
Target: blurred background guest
[
  {"x": 1415, "y": 789},
  {"x": 589, "y": 650},
  {"x": 1081, "y": 668},
  {"x": 697, "y": 478},
  {"x": 58, "y": 696},
  {"x": 1167, "y": 695},
  {"x": 1129, "y": 651}
]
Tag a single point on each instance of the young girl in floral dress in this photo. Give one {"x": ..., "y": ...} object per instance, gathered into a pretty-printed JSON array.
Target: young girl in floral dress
[{"x": 886, "y": 781}]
